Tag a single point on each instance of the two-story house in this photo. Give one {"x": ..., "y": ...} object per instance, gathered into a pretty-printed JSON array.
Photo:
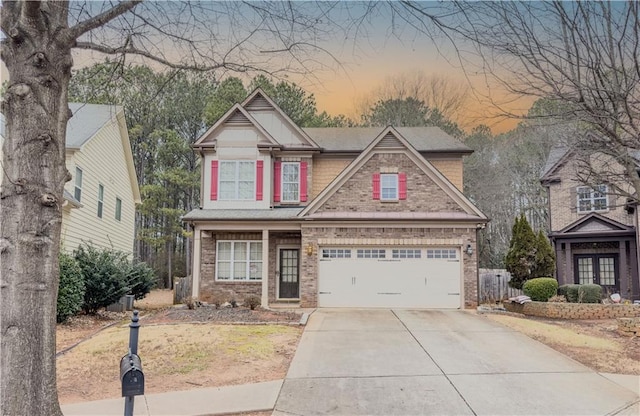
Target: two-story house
[
  {"x": 332, "y": 217},
  {"x": 592, "y": 229},
  {"x": 99, "y": 201}
]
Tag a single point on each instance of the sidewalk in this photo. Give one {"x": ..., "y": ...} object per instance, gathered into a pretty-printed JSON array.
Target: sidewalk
[{"x": 210, "y": 401}]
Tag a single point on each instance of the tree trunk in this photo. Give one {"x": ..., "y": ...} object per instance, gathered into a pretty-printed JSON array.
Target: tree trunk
[{"x": 37, "y": 53}]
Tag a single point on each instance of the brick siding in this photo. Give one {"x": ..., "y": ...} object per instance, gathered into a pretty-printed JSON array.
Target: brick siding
[{"x": 423, "y": 195}]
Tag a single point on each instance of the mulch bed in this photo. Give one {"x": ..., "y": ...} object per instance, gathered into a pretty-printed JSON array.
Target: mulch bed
[{"x": 208, "y": 313}]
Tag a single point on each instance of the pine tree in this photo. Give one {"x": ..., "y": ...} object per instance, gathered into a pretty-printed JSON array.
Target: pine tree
[
  {"x": 521, "y": 257},
  {"x": 545, "y": 259}
]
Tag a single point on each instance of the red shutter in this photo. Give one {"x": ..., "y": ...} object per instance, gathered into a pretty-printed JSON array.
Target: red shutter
[
  {"x": 376, "y": 186},
  {"x": 277, "y": 179},
  {"x": 402, "y": 185},
  {"x": 303, "y": 181},
  {"x": 259, "y": 180},
  {"x": 214, "y": 180}
]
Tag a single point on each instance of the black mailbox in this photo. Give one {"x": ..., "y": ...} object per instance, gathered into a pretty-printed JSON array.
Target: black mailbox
[{"x": 131, "y": 375}]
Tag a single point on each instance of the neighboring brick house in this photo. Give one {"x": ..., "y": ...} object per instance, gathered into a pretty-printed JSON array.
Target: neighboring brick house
[
  {"x": 332, "y": 217},
  {"x": 593, "y": 230}
]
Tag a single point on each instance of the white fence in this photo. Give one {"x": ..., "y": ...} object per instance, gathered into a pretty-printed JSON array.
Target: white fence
[{"x": 494, "y": 286}]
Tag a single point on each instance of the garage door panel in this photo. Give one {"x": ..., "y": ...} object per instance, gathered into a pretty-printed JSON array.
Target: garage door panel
[{"x": 390, "y": 283}]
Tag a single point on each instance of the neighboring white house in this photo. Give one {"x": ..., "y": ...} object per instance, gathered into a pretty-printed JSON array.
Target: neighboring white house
[{"x": 100, "y": 199}]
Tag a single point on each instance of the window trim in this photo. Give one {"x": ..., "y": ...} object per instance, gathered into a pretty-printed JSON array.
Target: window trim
[
  {"x": 232, "y": 261},
  {"x": 396, "y": 187},
  {"x": 591, "y": 199},
  {"x": 282, "y": 182},
  {"x": 100, "y": 200},
  {"x": 220, "y": 195},
  {"x": 77, "y": 188},
  {"x": 118, "y": 210}
]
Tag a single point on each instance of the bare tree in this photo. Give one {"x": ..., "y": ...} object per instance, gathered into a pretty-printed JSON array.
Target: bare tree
[
  {"x": 583, "y": 56},
  {"x": 439, "y": 92},
  {"x": 36, "y": 49}
]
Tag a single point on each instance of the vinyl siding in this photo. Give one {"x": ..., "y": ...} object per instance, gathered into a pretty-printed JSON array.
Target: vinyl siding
[{"x": 103, "y": 161}]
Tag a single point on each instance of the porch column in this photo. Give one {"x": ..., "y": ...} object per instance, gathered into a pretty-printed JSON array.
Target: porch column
[
  {"x": 623, "y": 268},
  {"x": 568, "y": 267},
  {"x": 195, "y": 276},
  {"x": 559, "y": 271},
  {"x": 633, "y": 250},
  {"x": 265, "y": 269}
]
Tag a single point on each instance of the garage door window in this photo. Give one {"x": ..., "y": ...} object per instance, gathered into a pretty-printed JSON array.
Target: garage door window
[
  {"x": 336, "y": 253},
  {"x": 371, "y": 253},
  {"x": 239, "y": 260},
  {"x": 406, "y": 253},
  {"x": 441, "y": 254}
]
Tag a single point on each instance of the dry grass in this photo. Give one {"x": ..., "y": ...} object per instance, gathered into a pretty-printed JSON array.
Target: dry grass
[
  {"x": 593, "y": 343},
  {"x": 178, "y": 357}
]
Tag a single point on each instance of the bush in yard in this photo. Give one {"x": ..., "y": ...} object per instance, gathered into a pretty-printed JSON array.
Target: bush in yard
[
  {"x": 252, "y": 302},
  {"x": 521, "y": 257},
  {"x": 570, "y": 292},
  {"x": 71, "y": 288},
  {"x": 105, "y": 276},
  {"x": 589, "y": 293},
  {"x": 545, "y": 260},
  {"x": 141, "y": 279},
  {"x": 540, "y": 289}
]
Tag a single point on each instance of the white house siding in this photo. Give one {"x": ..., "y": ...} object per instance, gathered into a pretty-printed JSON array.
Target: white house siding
[
  {"x": 278, "y": 127},
  {"x": 103, "y": 161},
  {"x": 237, "y": 144}
]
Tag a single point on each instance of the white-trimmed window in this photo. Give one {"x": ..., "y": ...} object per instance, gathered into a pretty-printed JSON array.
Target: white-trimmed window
[
  {"x": 118, "y": 209},
  {"x": 371, "y": 253},
  {"x": 389, "y": 187},
  {"x": 100, "y": 200},
  {"x": 290, "y": 182},
  {"x": 336, "y": 253},
  {"x": 77, "y": 190},
  {"x": 239, "y": 260},
  {"x": 237, "y": 180},
  {"x": 406, "y": 253},
  {"x": 592, "y": 199},
  {"x": 443, "y": 253}
]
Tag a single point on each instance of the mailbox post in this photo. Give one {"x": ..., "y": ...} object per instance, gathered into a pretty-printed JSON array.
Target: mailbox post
[{"x": 131, "y": 374}]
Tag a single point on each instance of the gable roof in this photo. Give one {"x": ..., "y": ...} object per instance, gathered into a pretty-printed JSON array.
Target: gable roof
[
  {"x": 390, "y": 138},
  {"x": 260, "y": 101},
  {"x": 236, "y": 115},
  {"x": 356, "y": 139},
  {"x": 86, "y": 121},
  {"x": 592, "y": 225}
]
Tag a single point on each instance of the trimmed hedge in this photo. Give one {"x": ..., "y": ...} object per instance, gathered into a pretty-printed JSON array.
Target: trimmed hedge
[
  {"x": 71, "y": 288},
  {"x": 581, "y": 293},
  {"x": 589, "y": 293},
  {"x": 540, "y": 289}
]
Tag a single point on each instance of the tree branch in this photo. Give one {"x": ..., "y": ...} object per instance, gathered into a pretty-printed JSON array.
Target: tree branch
[{"x": 99, "y": 20}]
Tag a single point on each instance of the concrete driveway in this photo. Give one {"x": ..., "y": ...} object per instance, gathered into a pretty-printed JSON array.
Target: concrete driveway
[{"x": 426, "y": 362}]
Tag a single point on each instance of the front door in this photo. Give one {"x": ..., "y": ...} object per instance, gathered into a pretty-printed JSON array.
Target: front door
[
  {"x": 601, "y": 269},
  {"x": 289, "y": 271}
]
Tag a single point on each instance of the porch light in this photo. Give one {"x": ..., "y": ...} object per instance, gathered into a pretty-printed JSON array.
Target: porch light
[
  {"x": 309, "y": 249},
  {"x": 469, "y": 249}
]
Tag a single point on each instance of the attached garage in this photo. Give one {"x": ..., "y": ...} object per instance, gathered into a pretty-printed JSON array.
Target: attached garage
[{"x": 389, "y": 277}]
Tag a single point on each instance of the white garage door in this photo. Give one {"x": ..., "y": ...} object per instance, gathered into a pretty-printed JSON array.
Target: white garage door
[{"x": 389, "y": 277}]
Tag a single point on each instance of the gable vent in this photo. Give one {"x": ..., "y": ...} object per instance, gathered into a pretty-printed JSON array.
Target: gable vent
[
  {"x": 389, "y": 141},
  {"x": 237, "y": 119},
  {"x": 258, "y": 103}
]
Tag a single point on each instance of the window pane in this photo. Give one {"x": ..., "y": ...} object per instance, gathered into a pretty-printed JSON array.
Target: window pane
[
  {"x": 224, "y": 270},
  {"x": 256, "y": 251},
  {"x": 585, "y": 271},
  {"x": 227, "y": 171},
  {"x": 246, "y": 171},
  {"x": 255, "y": 271},
  {"x": 245, "y": 190},
  {"x": 389, "y": 186},
  {"x": 118, "y": 209},
  {"x": 224, "y": 250},
  {"x": 239, "y": 270},
  {"x": 607, "y": 271},
  {"x": 240, "y": 251}
]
